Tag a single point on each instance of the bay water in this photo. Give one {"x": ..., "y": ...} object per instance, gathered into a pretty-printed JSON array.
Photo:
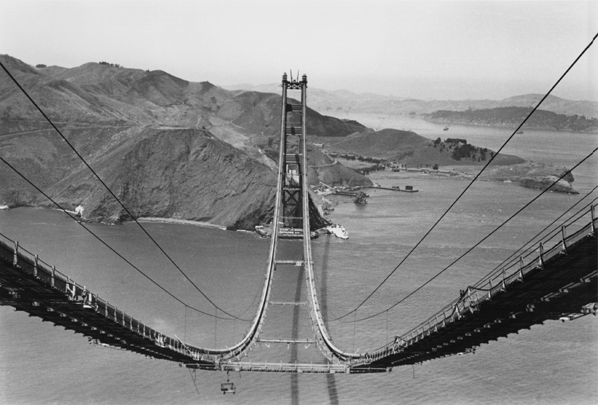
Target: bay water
[{"x": 554, "y": 363}]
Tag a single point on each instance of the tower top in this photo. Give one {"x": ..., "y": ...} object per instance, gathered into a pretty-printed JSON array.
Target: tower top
[{"x": 294, "y": 83}]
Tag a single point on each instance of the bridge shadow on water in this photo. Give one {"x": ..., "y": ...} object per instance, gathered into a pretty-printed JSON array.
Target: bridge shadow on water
[
  {"x": 295, "y": 335},
  {"x": 322, "y": 293}
]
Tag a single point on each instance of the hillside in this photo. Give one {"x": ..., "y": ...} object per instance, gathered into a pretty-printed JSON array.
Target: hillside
[
  {"x": 176, "y": 173},
  {"x": 511, "y": 117},
  {"x": 385, "y": 143},
  {"x": 413, "y": 150},
  {"x": 168, "y": 147}
]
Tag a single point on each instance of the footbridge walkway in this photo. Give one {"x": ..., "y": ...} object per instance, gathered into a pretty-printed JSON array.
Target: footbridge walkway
[{"x": 555, "y": 280}]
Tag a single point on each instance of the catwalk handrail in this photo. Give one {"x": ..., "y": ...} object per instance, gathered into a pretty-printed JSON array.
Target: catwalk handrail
[
  {"x": 30, "y": 263},
  {"x": 489, "y": 285}
]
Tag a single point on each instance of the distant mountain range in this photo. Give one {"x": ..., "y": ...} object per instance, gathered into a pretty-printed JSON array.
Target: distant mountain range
[
  {"x": 343, "y": 100},
  {"x": 512, "y": 117}
]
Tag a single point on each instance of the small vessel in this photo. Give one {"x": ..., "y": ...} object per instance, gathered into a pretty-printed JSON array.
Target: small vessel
[
  {"x": 446, "y": 129},
  {"x": 338, "y": 230},
  {"x": 4, "y": 207},
  {"x": 263, "y": 231}
]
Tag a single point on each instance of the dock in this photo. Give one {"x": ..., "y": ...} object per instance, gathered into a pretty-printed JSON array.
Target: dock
[{"x": 407, "y": 189}]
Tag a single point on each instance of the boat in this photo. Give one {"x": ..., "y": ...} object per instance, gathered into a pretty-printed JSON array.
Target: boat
[
  {"x": 4, "y": 207},
  {"x": 409, "y": 189},
  {"x": 446, "y": 129},
  {"x": 338, "y": 230},
  {"x": 263, "y": 231}
]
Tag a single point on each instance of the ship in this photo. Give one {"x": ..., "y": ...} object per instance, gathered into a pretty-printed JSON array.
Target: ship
[{"x": 338, "y": 230}]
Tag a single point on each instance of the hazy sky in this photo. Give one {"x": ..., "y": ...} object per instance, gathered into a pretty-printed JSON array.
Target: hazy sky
[{"x": 423, "y": 49}]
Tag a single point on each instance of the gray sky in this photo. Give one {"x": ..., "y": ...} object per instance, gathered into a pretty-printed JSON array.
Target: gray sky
[{"x": 423, "y": 49}]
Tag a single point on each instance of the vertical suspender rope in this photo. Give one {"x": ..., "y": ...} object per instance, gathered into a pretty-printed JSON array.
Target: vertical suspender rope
[
  {"x": 354, "y": 325},
  {"x": 215, "y": 326},
  {"x": 473, "y": 180},
  {"x": 387, "y": 325}
]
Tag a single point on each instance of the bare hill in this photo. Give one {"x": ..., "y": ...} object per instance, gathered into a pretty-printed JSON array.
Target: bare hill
[
  {"x": 203, "y": 147},
  {"x": 383, "y": 143},
  {"x": 512, "y": 117},
  {"x": 173, "y": 173},
  {"x": 413, "y": 149}
]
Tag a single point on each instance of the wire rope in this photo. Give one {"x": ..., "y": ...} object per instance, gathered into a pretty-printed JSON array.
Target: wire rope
[
  {"x": 472, "y": 181},
  {"x": 580, "y": 213},
  {"x": 104, "y": 243},
  {"x": 111, "y": 192},
  {"x": 477, "y": 244},
  {"x": 511, "y": 259}
]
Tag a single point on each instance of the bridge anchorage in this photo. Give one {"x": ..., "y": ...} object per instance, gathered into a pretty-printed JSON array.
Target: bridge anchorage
[{"x": 556, "y": 281}]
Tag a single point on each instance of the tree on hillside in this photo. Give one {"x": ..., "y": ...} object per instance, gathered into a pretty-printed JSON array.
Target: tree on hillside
[{"x": 464, "y": 151}]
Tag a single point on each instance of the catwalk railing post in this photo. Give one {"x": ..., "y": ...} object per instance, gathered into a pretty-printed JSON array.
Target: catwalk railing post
[
  {"x": 16, "y": 258},
  {"x": 564, "y": 238},
  {"x": 593, "y": 212}
]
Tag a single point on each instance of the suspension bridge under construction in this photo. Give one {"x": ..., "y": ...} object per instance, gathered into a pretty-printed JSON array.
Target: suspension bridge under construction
[{"x": 557, "y": 279}]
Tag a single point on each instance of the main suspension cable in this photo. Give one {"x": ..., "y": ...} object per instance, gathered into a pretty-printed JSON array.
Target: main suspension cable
[
  {"x": 478, "y": 243},
  {"x": 512, "y": 258},
  {"x": 472, "y": 181},
  {"x": 105, "y": 243},
  {"x": 112, "y": 193}
]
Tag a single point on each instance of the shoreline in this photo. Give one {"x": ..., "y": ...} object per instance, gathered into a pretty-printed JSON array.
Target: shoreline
[
  {"x": 510, "y": 126},
  {"x": 180, "y": 222},
  {"x": 530, "y": 175}
]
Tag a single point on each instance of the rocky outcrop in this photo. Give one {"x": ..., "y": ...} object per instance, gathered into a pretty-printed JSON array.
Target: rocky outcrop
[
  {"x": 533, "y": 175},
  {"x": 544, "y": 182}
]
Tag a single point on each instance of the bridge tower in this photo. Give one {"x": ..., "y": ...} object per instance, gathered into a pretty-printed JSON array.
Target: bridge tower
[{"x": 293, "y": 159}]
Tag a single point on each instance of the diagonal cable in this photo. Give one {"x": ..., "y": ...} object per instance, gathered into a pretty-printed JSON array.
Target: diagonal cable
[
  {"x": 510, "y": 260},
  {"x": 106, "y": 244},
  {"x": 478, "y": 243},
  {"x": 472, "y": 181},
  {"x": 113, "y": 195}
]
